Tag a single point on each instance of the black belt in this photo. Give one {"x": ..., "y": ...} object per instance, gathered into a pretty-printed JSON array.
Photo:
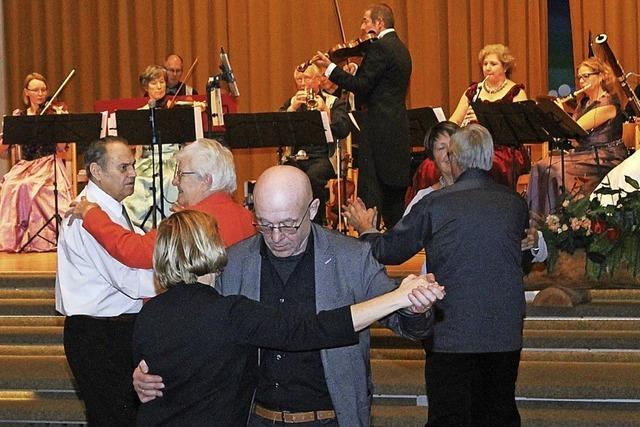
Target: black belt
[{"x": 126, "y": 317}]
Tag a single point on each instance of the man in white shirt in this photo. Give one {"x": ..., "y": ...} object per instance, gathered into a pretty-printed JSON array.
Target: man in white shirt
[{"x": 99, "y": 295}]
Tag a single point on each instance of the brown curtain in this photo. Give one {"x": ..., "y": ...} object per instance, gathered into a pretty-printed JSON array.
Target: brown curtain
[
  {"x": 619, "y": 19},
  {"x": 110, "y": 41}
]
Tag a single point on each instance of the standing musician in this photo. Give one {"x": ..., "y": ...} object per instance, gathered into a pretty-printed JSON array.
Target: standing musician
[
  {"x": 27, "y": 199},
  {"x": 497, "y": 63},
  {"x": 314, "y": 160},
  {"x": 380, "y": 87},
  {"x": 175, "y": 66}
]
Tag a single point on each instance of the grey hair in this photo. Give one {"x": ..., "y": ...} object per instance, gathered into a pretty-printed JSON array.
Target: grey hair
[
  {"x": 96, "y": 152},
  {"x": 472, "y": 147},
  {"x": 209, "y": 157}
]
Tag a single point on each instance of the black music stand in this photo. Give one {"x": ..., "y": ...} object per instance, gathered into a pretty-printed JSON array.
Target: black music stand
[
  {"x": 261, "y": 130},
  {"x": 156, "y": 127},
  {"x": 51, "y": 129},
  {"x": 421, "y": 120},
  {"x": 561, "y": 128},
  {"x": 514, "y": 124}
]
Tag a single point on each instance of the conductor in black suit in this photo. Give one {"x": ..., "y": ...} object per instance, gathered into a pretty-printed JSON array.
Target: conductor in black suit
[
  {"x": 380, "y": 86},
  {"x": 471, "y": 232}
]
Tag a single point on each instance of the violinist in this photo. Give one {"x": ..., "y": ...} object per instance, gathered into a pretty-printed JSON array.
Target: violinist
[
  {"x": 153, "y": 80},
  {"x": 314, "y": 160},
  {"x": 380, "y": 86},
  {"x": 26, "y": 191},
  {"x": 175, "y": 66}
]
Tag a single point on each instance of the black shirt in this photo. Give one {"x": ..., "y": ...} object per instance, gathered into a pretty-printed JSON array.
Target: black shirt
[{"x": 291, "y": 381}]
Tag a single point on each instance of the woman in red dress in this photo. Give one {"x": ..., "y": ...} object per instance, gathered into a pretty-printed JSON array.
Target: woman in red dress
[{"x": 497, "y": 64}]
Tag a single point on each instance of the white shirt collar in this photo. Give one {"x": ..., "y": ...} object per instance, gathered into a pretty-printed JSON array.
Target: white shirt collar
[
  {"x": 106, "y": 202},
  {"x": 383, "y": 33}
]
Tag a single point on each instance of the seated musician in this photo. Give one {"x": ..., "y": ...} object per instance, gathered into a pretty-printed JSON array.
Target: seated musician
[
  {"x": 314, "y": 160},
  {"x": 497, "y": 64},
  {"x": 205, "y": 177},
  {"x": 153, "y": 80},
  {"x": 27, "y": 199},
  {"x": 598, "y": 113},
  {"x": 175, "y": 67}
]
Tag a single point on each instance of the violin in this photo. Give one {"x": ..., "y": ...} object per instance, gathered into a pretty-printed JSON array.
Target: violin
[
  {"x": 344, "y": 52},
  {"x": 341, "y": 190}
]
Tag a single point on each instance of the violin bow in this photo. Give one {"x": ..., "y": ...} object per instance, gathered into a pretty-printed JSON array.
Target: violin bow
[
  {"x": 57, "y": 92},
  {"x": 171, "y": 103}
]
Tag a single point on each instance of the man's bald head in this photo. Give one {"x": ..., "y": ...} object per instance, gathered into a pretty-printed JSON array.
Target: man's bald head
[
  {"x": 283, "y": 197},
  {"x": 175, "y": 67}
]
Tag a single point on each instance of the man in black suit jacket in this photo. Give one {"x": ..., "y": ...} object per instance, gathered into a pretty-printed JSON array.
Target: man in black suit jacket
[
  {"x": 380, "y": 85},
  {"x": 471, "y": 232}
]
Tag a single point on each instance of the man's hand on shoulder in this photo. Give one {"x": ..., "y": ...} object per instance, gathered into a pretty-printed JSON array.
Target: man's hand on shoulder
[{"x": 146, "y": 385}]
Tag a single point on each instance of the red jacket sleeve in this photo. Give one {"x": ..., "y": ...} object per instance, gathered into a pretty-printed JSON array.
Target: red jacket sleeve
[{"x": 131, "y": 249}]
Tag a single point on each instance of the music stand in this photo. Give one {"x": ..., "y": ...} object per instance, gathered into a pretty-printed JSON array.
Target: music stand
[
  {"x": 261, "y": 130},
  {"x": 51, "y": 129},
  {"x": 516, "y": 123},
  {"x": 421, "y": 120},
  {"x": 155, "y": 126}
]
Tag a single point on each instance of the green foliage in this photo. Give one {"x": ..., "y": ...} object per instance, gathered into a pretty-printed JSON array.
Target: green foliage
[{"x": 610, "y": 234}]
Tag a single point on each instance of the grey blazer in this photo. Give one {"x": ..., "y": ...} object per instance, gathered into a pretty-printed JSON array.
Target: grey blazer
[{"x": 345, "y": 273}]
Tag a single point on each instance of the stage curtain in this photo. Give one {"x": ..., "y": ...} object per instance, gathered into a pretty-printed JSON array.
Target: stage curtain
[
  {"x": 619, "y": 19},
  {"x": 110, "y": 42}
]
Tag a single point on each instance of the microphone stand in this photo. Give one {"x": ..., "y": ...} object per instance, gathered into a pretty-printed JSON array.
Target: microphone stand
[{"x": 155, "y": 142}]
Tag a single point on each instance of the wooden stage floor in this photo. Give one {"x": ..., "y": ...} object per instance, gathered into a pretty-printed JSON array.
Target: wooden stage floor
[{"x": 39, "y": 264}]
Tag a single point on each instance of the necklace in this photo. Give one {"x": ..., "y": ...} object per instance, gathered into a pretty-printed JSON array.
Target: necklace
[{"x": 485, "y": 86}]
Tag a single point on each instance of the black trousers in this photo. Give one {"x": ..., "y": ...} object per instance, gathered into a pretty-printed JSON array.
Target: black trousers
[
  {"x": 472, "y": 389},
  {"x": 389, "y": 199},
  {"x": 100, "y": 357}
]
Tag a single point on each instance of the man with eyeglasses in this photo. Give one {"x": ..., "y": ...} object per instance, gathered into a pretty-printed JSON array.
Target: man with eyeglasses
[
  {"x": 299, "y": 266},
  {"x": 205, "y": 177},
  {"x": 175, "y": 66}
]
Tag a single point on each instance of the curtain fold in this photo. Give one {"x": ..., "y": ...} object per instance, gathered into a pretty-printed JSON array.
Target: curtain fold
[
  {"x": 619, "y": 19},
  {"x": 110, "y": 42}
]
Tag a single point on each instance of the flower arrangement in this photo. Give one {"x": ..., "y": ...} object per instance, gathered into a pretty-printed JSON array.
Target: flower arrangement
[{"x": 609, "y": 234}]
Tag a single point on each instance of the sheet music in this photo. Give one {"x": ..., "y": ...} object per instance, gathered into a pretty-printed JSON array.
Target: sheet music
[
  {"x": 327, "y": 127},
  {"x": 104, "y": 123},
  {"x": 439, "y": 112},
  {"x": 112, "y": 125},
  {"x": 197, "y": 118}
]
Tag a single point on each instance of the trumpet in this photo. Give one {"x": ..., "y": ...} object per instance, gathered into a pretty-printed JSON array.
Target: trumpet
[{"x": 311, "y": 101}]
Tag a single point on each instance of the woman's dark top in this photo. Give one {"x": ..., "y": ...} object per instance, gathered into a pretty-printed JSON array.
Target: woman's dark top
[
  {"x": 203, "y": 345},
  {"x": 608, "y": 131}
]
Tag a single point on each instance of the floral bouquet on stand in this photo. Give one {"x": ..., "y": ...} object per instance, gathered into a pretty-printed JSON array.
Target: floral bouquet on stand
[{"x": 609, "y": 233}]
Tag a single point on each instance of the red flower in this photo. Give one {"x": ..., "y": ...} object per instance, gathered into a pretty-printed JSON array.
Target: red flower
[
  {"x": 613, "y": 233},
  {"x": 598, "y": 226}
]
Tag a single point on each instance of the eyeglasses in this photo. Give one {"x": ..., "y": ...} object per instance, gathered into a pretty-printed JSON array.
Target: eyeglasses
[
  {"x": 174, "y": 70},
  {"x": 267, "y": 229},
  {"x": 39, "y": 90},
  {"x": 585, "y": 76},
  {"x": 181, "y": 174}
]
